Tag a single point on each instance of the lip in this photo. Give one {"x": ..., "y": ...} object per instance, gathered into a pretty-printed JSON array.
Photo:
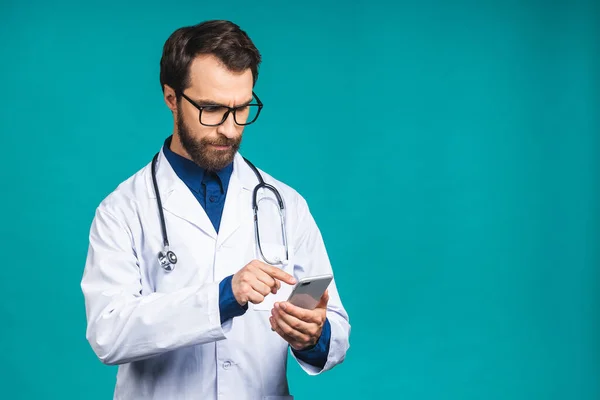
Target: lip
[{"x": 217, "y": 147}]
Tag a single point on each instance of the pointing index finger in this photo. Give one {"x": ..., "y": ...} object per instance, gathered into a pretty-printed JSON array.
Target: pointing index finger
[{"x": 278, "y": 273}]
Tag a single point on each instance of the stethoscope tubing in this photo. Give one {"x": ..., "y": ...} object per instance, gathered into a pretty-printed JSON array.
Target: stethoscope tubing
[{"x": 167, "y": 257}]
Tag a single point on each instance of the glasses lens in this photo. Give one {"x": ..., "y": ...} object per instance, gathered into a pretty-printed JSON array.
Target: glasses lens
[
  {"x": 246, "y": 115},
  {"x": 212, "y": 115}
]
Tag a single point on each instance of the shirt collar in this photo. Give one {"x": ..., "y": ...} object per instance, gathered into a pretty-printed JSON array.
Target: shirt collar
[{"x": 190, "y": 173}]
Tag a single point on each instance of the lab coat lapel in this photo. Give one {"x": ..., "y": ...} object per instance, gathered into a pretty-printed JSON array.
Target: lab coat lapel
[
  {"x": 238, "y": 202},
  {"x": 178, "y": 200},
  {"x": 183, "y": 204}
]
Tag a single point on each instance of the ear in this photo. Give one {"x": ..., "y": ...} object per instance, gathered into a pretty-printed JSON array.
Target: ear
[{"x": 170, "y": 98}]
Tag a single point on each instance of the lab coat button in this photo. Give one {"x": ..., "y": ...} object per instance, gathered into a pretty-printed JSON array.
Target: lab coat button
[{"x": 227, "y": 364}]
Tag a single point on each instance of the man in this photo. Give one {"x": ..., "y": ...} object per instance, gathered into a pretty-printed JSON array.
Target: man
[{"x": 192, "y": 309}]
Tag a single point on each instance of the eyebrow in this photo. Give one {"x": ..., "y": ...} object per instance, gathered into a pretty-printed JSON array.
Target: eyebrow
[{"x": 207, "y": 102}]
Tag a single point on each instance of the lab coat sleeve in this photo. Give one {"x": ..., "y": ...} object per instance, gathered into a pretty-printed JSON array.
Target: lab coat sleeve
[
  {"x": 124, "y": 326},
  {"x": 311, "y": 259}
]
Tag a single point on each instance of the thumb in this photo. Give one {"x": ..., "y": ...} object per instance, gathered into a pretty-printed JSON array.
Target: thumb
[{"x": 324, "y": 300}]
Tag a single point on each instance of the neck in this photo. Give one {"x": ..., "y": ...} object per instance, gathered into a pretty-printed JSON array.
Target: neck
[{"x": 177, "y": 148}]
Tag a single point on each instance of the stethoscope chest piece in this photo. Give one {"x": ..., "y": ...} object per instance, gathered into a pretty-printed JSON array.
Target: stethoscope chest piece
[{"x": 167, "y": 259}]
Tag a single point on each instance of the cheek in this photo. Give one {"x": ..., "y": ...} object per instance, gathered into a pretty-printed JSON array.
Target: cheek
[
  {"x": 195, "y": 129},
  {"x": 189, "y": 118},
  {"x": 202, "y": 132}
]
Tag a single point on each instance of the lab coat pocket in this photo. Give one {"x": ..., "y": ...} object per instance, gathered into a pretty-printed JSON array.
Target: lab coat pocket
[{"x": 270, "y": 251}]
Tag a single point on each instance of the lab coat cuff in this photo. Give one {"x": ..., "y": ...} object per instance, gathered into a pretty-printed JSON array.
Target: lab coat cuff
[{"x": 212, "y": 299}]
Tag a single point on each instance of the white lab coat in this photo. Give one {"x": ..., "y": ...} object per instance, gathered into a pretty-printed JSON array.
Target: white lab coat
[{"x": 163, "y": 328}]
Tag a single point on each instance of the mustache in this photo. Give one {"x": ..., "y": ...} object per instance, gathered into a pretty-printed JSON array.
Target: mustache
[{"x": 223, "y": 141}]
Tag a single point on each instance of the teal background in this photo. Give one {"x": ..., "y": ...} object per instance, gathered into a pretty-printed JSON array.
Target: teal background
[{"x": 448, "y": 150}]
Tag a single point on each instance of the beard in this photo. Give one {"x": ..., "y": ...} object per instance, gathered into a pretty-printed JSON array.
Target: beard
[{"x": 200, "y": 151}]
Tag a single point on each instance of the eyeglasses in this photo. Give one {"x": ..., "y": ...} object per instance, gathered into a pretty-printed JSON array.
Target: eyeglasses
[{"x": 216, "y": 114}]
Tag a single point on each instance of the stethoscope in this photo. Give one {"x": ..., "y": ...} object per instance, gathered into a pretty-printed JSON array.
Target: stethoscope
[{"x": 167, "y": 258}]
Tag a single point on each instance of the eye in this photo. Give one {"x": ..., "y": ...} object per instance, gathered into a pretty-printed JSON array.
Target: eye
[{"x": 213, "y": 109}]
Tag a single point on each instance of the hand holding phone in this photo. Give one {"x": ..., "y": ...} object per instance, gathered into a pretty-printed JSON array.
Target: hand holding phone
[{"x": 301, "y": 318}]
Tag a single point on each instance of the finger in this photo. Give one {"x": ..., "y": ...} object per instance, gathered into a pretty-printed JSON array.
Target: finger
[
  {"x": 288, "y": 331},
  {"x": 255, "y": 298},
  {"x": 276, "y": 328},
  {"x": 302, "y": 314},
  {"x": 307, "y": 328},
  {"x": 260, "y": 287},
  {"x": 293, "y": 343},
  {"x": 267, "y": 279},
  {"x": 262, "y": 272},
  {"x": 324, "y": 300},
  {"x": 277, "y": 273}
]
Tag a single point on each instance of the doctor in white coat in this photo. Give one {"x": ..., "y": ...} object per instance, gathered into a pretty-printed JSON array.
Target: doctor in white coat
[{"x": 215, "y": 324}]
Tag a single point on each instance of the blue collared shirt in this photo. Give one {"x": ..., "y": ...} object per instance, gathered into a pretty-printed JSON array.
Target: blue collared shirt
[{"x": 210, "y": 189}]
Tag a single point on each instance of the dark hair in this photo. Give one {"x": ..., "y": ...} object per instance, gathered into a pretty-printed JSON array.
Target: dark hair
[{"x": 223, "y": 39}]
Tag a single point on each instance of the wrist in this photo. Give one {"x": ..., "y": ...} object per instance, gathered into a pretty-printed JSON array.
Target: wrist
[{"x": 229, "y": 306}]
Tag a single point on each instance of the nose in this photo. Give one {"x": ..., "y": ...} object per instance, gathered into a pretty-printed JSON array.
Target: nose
[{"x": 228, "y": 128}]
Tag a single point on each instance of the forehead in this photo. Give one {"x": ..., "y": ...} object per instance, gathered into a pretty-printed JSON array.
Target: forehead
[{"x": 209, "y": 78}]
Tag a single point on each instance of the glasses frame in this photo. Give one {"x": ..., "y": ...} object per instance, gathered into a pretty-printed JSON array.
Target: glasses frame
[{"x": 229, "y": 110}]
